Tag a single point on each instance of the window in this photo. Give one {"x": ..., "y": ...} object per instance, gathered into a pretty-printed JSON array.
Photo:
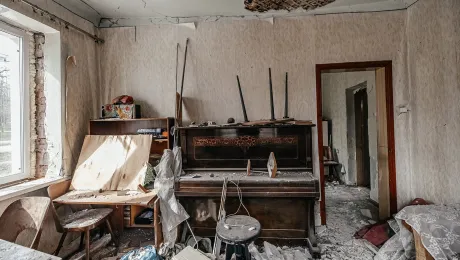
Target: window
[{"x": 14, "y": 132}]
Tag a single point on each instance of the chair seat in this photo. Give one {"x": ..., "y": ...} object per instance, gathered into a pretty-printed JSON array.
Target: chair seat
[{"x": 85, "y": 219}]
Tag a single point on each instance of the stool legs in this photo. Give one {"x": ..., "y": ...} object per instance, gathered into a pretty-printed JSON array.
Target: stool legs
[
  {"x": 229, "y": 250},
  {"x": 241, "y": 252}
]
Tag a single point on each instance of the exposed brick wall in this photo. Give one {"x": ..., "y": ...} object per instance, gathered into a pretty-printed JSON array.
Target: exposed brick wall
[
  {"x": 38, "y": 134},
  {"x": 32, "y": 104}
]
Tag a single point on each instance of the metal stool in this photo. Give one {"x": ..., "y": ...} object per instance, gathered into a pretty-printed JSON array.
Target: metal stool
[{"x": 237, "y": 232}]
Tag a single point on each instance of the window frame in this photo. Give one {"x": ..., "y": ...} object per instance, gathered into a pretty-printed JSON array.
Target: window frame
[{"x": 25, "y": 104}]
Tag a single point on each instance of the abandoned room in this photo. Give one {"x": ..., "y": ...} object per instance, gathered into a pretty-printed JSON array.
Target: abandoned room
[{"x": 230, "y": 129}]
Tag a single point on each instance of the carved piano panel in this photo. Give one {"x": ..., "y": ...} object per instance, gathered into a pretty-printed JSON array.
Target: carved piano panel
[{"x": 225, "y": 147}]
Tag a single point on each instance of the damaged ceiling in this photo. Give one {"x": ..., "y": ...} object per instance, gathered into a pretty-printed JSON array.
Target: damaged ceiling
[
  {"x": 114, "y": 13},
  {"x": 267, "y": 5}
]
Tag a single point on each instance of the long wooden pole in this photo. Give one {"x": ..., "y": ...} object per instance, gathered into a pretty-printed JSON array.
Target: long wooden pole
[{"x": 183, "y": 76}]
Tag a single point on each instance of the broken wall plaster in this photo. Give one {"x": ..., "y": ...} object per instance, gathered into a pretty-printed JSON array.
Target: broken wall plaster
[
  {"x": 39, "y": 137},
  {"x": 267, "y": 5},
  {"x": 129, "y": 22}
]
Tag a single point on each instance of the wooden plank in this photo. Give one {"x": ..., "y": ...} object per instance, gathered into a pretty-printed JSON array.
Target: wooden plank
[
  {"x": 157, "y": 224},
  {"x": 267, "y": 122},
  {"x": 112, "y": 162},
  {"x": 10, "y": 250},
  {"x": 420, "y": 250},
  {"x": 382, "y": 144},
  {"x": 107, "y": 197}
]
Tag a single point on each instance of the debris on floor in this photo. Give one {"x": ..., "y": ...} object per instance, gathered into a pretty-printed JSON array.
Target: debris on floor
[
  {"x": 271, "y": 252},
  {"x": 345, "y": 206}
]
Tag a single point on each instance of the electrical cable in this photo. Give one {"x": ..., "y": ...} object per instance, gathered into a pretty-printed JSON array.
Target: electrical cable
[
  {"x": 240, "y": 197},
  {"x": 191, "y": 231}
]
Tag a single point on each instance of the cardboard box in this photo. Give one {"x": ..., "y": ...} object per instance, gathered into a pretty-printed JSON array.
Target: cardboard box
[
  {"x": 129, "y": 111},
  {"x": 190, "y": 254}
]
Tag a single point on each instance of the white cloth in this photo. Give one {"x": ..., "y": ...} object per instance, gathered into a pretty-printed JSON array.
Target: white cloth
[{"x": 439, "y": 229}]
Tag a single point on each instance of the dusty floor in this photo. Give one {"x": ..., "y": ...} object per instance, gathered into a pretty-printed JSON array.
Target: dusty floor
[
  {"x": 345, "y": 208},
  {"x": 344, "y": 218}
]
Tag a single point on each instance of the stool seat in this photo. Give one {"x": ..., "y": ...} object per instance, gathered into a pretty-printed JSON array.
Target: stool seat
[
  {"x": 237, "y": 232},
  {"x": 238, "y": 229}
]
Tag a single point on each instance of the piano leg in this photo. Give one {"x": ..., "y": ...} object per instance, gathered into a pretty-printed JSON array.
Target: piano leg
[{"x": 311, "y": 240}]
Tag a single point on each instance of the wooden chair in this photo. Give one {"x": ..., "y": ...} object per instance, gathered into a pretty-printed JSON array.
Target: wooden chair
[
  {"x": 82, "y": 221},
  {"x": 24, "y": 215}
]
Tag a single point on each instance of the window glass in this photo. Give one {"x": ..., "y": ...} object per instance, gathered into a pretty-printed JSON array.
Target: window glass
[{"x": 11, "y": 107}]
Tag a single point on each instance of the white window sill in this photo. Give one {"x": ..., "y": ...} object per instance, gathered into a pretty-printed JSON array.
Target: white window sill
[{"x": 29, "y": 186}]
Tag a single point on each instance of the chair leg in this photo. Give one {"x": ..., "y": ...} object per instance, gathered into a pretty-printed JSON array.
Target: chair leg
[
  {"x": 87, "y": 235},
  {"x": 61, "y": 241},
  {"x": 114, "y": 238},
  {"x": 82, "y": 235}
]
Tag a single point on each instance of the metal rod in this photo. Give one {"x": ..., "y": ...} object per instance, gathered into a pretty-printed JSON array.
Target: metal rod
[
  {"x": 286, "y": 98},
  {"x": 67, "y": 24},
  {"x": 183, "y": 76},
  {"x": 242, "y": 100},
  {"x": 272, "y": 106}
]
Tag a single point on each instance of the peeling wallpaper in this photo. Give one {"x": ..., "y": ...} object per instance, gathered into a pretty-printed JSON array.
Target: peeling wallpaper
[
  {"x": 141, "y": 62},
  {"x": 433, "y": 34}
]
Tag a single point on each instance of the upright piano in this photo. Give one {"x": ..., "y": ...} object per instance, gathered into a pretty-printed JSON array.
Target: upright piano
[{"x": 284, "y": 205}]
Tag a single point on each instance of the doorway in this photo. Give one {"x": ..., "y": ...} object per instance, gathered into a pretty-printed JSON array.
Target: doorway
[
  {"x": 360, "y": 104},
  {"x": 383, "y": 139}
]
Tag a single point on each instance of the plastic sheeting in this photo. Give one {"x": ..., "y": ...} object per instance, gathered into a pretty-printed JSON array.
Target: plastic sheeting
[
  {"x": 143, "y": 253},
  {"x": 172, "y": 212}
]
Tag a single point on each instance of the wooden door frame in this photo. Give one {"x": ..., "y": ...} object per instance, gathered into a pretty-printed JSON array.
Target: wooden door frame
[{"x": 359, "y": 66}]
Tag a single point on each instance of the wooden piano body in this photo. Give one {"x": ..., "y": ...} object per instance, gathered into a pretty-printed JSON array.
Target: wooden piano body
[{"x": 283, "y": 205}]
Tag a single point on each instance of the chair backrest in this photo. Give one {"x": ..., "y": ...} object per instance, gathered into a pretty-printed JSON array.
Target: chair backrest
[
  {"x": 54, "y": 191},
  {"x": 327, "y": 152},
  {"x": 25, "y": 214}
]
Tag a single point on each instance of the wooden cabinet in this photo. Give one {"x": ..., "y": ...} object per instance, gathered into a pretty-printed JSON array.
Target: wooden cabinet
[{"x": 131, "y": 127}]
